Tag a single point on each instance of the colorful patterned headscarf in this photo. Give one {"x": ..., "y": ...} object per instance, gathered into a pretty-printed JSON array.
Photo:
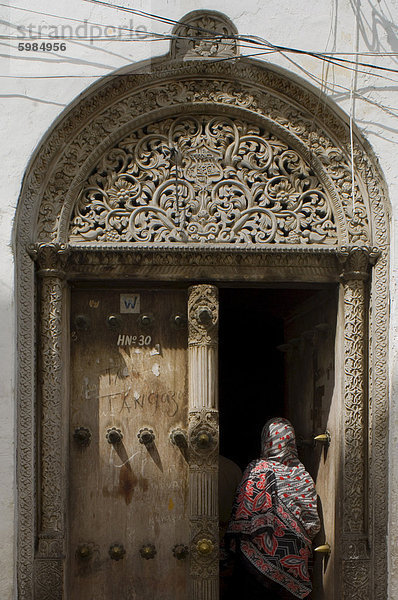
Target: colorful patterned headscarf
[{"x": 275, "y": 512}]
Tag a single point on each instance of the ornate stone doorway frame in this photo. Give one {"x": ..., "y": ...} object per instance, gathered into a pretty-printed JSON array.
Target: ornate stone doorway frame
[{"x": 359, "y": 260}]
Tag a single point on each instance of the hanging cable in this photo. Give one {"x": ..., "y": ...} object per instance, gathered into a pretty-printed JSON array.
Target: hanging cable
[
  {"x": 388, "y": 109},
  {"x": 252, "y": 40},
  {"x": 352, "y": 108}
]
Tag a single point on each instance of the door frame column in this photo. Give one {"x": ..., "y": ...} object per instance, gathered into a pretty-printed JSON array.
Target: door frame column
[
  {"x": 203, "y": 439},
  {"x": 52, "y": 426},
  {"x": 356, "y": 557}
]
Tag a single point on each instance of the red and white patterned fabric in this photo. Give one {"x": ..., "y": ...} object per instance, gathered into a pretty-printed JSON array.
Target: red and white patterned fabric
[{"x": 275, "y": 514}]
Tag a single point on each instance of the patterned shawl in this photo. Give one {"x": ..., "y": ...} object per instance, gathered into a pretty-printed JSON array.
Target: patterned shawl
[{"x": 275, "y": 514}]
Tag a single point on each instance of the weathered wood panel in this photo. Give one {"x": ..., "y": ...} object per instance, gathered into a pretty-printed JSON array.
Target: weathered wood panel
[
  {"x": 128, "y": 375},
  {"x": 313, "y": 366}
]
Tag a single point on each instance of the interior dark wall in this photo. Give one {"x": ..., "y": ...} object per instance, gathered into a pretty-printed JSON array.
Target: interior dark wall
[
  {"x": 250, "y": 371},
  {"x": 251, "y": 368}
]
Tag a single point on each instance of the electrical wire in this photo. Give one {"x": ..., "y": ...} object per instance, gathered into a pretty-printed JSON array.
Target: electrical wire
[
  {"x": 85, "y": 21},
  {"x": 82, "y": 38},
  {"x": 354, "y": 76},
  {"x": 323, "y": 56},
  {"x": 174, "y": 22},
  {"x": 318, "y": 81},
  {"x": 158, "y": 37},
  {"x": 322, "y": 88},
  {"x": 144, "y": 34},
  {"x": 152, "y": 16},
  {"x": 376, "y": 75},
  {"x": 46, "y": 14},
  {"x": 320, "y": 55},
  {"x": 243, "y": 41},
  {"x": 251, "y": 39},
  {"x": 112, "y": 74},
  {"x": 257, "y": 41},
  {"x": 225, "y": 59}
]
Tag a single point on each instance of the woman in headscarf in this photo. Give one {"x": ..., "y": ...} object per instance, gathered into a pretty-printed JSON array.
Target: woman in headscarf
[{"x": 274, "y": 520}]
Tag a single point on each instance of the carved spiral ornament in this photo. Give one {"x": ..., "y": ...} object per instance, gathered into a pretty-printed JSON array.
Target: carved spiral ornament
[{"x": 202, "y": 179}]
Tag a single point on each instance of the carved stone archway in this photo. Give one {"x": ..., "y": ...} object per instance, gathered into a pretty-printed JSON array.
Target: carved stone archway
[{"x": 194, "y": 170}]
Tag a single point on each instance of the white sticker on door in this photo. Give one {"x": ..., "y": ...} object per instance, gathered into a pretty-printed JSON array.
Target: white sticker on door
[{"x": 129, "y": 303}]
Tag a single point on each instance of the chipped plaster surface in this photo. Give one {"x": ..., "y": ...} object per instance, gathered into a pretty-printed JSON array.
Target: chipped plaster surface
[{"x": 37, "y": 87}]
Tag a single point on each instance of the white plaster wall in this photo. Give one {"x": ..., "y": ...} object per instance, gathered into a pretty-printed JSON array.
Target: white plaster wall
[{"x": 36, "y": 87}]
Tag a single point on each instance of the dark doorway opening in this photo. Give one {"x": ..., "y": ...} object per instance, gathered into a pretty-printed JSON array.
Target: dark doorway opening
[
  {"x": 276, "y": 358},
  {"x": 252, "y": 364},
  {"x": 250, "y": 370}
]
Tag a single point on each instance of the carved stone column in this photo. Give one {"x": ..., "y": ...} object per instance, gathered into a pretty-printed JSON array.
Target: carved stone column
[
  {"x": 49, "y": 560},
  {"x": 355, "y": 550},
  {"x": 203, "y": 440}
]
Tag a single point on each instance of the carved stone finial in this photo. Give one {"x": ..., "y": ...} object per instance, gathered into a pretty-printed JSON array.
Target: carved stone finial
[
  {"x": 356, "y": 261},
  {"x": 204, "y": 35},
  {"x": 203, "y": 315},
  {"x": 203, "y": 436},
  {"x": 51, "y": 258}
]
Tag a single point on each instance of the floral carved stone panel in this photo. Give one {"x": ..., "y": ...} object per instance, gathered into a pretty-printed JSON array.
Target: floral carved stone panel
[
  {"x": 204, "y": 34},
  {"x": 203, "y": 179}
]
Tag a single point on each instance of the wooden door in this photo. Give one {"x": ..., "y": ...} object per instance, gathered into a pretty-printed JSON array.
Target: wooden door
[
  {"x": 128, "y": 483},
  {"x": 313, "y": 404}
]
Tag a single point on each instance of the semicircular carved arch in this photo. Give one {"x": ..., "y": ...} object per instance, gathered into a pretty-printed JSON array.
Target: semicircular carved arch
[
  {"x": 205, "y": 179},
  {"x": 326, "y": 154}
]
